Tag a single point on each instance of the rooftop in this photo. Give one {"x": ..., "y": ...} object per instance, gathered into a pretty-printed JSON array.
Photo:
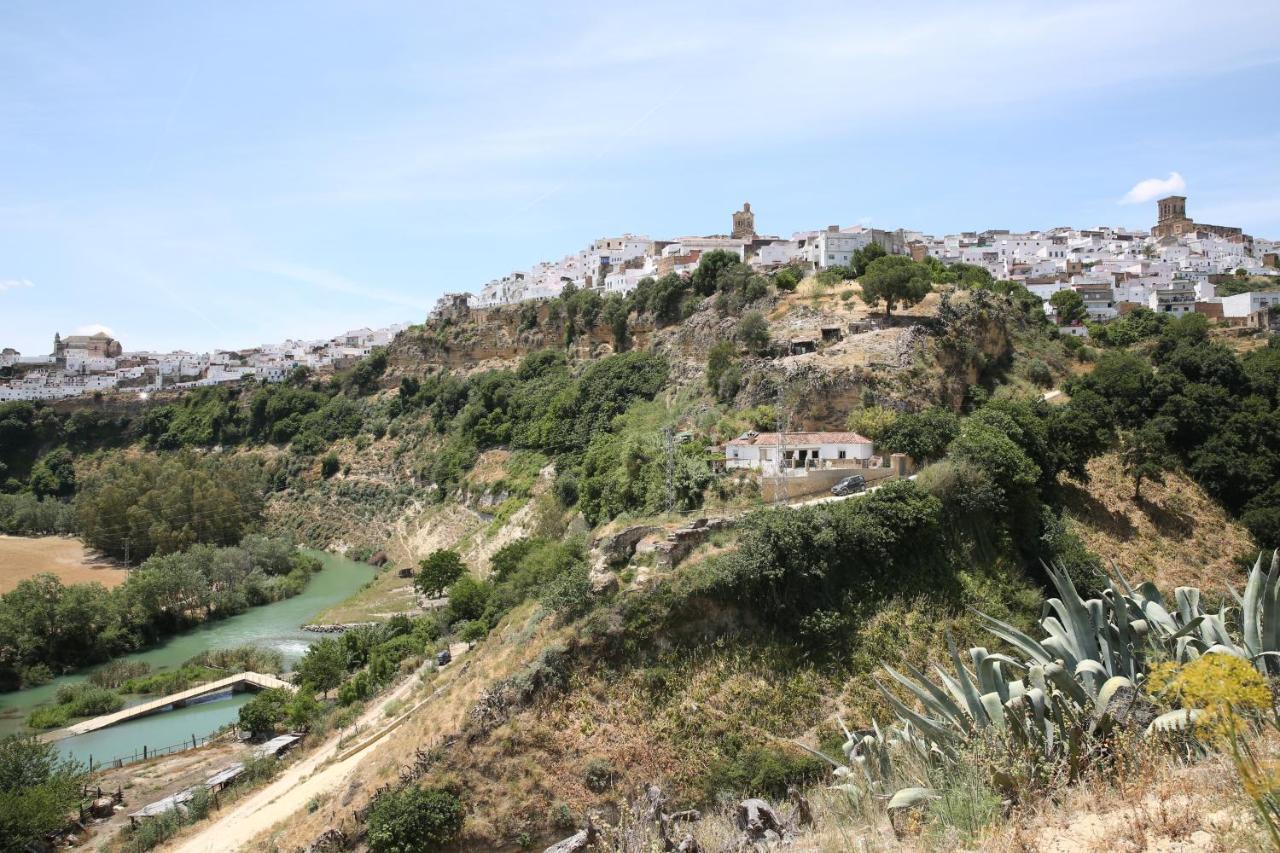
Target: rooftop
[{"x": 774, "y": 439}]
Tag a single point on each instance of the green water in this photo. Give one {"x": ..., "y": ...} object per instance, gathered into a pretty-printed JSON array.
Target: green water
[{"x": 275, "y": 626}]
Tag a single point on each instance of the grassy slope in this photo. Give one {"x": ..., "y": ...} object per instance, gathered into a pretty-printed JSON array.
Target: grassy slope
[{"x": 1177, "y": 535}]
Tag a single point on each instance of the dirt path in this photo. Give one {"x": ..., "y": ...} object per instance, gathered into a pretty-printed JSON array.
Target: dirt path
[{"x": 311, "y": 776}]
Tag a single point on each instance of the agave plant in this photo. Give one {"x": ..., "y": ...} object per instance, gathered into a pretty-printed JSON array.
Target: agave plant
[{"x": 1056, "y": 700}]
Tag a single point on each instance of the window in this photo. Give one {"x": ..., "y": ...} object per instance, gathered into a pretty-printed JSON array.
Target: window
[{"x": 842, "y": 454}]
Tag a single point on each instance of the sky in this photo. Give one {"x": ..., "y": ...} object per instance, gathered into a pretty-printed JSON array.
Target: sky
[{"x": 228, "y": 174}]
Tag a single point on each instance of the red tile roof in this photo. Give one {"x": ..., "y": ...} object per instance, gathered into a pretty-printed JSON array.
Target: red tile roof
[{"x": 773, "y": 439}]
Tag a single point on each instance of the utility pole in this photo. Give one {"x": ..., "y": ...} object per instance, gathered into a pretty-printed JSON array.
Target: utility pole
[
  {"x": 668, "y": 433},
  {"x": 126, "y": 550},
  {"x": 781, "y": 493}
]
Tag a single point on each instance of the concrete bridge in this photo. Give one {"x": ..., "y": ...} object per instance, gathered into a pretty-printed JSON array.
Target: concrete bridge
[{"x": 239, "y": 681}]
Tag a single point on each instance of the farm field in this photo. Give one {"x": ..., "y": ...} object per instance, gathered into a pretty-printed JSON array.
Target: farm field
[{"x": 23, "y": 557}]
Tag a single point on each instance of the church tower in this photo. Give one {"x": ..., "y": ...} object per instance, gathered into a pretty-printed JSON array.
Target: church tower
[{"x": 744, "y": 223}]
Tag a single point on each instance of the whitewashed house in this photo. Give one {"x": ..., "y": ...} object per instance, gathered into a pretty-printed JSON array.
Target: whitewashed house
[
  {"x": 768, "y": 452},
  {"x": 1244, "y": 304}
]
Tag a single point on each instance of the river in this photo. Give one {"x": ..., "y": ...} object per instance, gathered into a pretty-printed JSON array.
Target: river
[{"x": 276, "y": 626}]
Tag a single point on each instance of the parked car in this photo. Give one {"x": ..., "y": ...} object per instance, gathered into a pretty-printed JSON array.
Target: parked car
[
  {"x": 849, "y": 485},
  {"x": 443, "y": 657}
]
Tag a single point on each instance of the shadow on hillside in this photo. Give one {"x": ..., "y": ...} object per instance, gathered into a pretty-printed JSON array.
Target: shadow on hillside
[
  {"x": 1175, "y": 525},
  {"x": 1087, "y": 509}
]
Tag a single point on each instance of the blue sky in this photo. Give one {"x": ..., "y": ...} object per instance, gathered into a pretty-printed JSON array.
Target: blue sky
[{"x": 225, "y": 174}]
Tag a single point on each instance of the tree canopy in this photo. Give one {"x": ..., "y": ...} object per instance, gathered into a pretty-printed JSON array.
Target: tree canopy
[{"x": 895, "y": 280}]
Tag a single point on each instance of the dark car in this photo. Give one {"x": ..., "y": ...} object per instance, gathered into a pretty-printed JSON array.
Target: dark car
[
  {"x": 443, "y": 657},
  {"x": 849, "y": 485}
]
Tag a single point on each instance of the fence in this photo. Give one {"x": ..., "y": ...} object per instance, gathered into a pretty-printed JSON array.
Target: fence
[{"x": 148, "y": 753}]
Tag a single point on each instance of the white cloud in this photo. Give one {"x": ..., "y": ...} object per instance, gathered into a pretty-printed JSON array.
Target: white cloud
[
  {"x": 92, "y": 329},
  {"x": 14, "y": 284},
  {"x": 1153, "y": 188}
]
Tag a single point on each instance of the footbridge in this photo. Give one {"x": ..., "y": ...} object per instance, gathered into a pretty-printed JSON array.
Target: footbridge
[{"x": 239, "y": 681}]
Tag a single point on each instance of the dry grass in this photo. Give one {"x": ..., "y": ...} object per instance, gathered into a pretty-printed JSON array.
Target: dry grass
[
  {"x": 452, "y": 693},
  {"x": 387, "y": 595},
  {"x": 1162, "y": 806},
  {"x": 490, "y": 467},
  {"x": 1177, "y": 535},
  {"x": 23, "y": 557}
]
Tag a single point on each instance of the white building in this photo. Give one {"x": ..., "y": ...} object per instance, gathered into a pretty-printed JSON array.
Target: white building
[
  {"x": 767, "y": 452},
  {"x": 1244, "y": 304}
]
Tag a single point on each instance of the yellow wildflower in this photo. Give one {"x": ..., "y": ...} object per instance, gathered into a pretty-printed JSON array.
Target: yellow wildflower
[{"x": 1222, "y": 686}]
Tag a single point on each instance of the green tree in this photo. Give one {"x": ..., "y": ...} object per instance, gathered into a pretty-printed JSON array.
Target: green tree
[
  {"x": 38, "y": 792},
  {"x": 706, "y": 277},
  {"x": 437, "y": 571},
  {"x": 1069, "y": 306},
  {"x": 468, "y": 597},
  {"x": 721, "y": 366},
  {"x": 923, "y": 435},
  {"x": 617, "y": 310},
  {"x": 54, "y": 475},
  {"x": 1145, "y": 456},
  {"x": 787, "y": 279},
  {"x": 895, "y": 280},
  {"x": 863, "y": 258},
  {"x": 753, "y": 331},
  {"x": 873, "y": 421},
  {"x": 414, "y": 820},
  {"x": 323, "y": 666},
  {"x": 264, "y": 712}
]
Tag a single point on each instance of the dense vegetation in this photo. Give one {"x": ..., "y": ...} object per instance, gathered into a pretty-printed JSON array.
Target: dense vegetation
[
  {"x": 38, "y": 789},
  {"x": 132, "y": 508},
  {"x": 47, "y": 627},
  {"x": 1191, "y": 401},
  {"x": 540, "y": 406}
]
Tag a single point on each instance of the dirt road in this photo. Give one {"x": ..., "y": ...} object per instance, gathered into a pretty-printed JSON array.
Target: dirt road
[{"x": 321, "y": 772}]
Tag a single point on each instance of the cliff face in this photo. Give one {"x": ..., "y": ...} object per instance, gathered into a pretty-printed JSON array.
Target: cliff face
[
  {"x": 932, "y": 356},
  {"x": 468, "y": 338},
  {"x": 973, "y": 340}
]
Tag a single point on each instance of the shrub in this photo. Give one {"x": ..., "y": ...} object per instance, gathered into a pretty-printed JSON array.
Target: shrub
[
  {"x": 117, "y": 672},
  {"x": 329, "y": 465},
  {"x": 49, "y": 717},
  {"x": 598, "y": 775},
  {"x": 1038, "y": 373},
  {"x": 753, "y": 331},
  {"x": 414, "y": 819},
  {"x": 761, "y": 771},
  {"x": 1224, "y": 688},
  {"x": 873, "y": 421}
]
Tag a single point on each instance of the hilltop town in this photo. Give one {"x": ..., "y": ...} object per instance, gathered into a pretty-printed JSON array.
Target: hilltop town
[
  {"x": 85, "y": 364},
  {"x": 1174, "y": 268},
  {"x": 1178, "y": 267}
]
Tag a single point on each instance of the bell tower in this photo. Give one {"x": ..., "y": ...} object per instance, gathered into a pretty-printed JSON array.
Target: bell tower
[
  {"x": 1171, "y": 208},
  {"x": 744, "y": 223}
]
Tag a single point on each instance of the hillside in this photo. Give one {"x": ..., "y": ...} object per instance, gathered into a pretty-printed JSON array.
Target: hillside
[
  {"x": 632, "y": 613},
  {"x": 1176, "y": 536}
]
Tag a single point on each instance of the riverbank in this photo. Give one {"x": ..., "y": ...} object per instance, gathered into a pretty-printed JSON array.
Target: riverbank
[
  {"x": 275, "y": 626},
  {"x": 23, "y": 557}
]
